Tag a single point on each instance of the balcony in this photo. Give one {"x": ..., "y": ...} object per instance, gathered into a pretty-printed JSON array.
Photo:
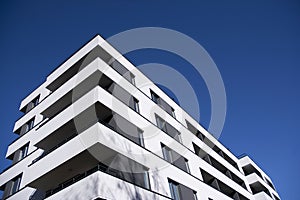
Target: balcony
[
  {"x": 134, "y": 178},
  {"x": 101, "y": 185},
  {"x": 163, "y": 104},
  {"x": 249, "y": 169},
  {"x": 209, "y": 143},
  {"x": 270, "y": 183},
  {"x": 257, "y": 187},
  {"x": 96, "y": 79},
  {"x": 168, "y": 128},
  {"x": 85, "y": 163},
  {"x": 220, "y": 186},
  {"x": 97, "y": 52},
  {"x": 220, "y": 167},
  {"x": 96, "y": 113},
  {"x": 78, "y": 66},
  {"x": 264, "y": 196},
  {"x": 175, "y": 158},
  {"x": 31, "y": 105}
]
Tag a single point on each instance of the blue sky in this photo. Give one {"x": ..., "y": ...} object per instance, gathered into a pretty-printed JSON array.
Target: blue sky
[{"x": 255, "y": 44}]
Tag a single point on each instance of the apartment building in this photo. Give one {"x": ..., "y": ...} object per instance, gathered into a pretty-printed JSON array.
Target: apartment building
[{"x": 98, "y": 128}]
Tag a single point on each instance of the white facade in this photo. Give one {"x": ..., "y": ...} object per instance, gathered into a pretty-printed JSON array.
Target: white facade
[{"x": 97, "y": 128}]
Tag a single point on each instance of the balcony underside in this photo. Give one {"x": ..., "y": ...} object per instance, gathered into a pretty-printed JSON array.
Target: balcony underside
[{"x": 79, "y": 65}]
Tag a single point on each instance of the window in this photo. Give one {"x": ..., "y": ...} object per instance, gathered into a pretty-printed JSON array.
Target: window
[
  {"x": 167, "y": 128},
  {"x": 35, "y": 101},
  {"x": 154, "y": 97},
  {"x": 179, "y": 191},
  {"x": 116, "y": 65},
  {"x": 15, "y": 185},
  {"x": 132, "y": 79},
  {"x": 23, "y": 152},
  {"x": 173, "y": 113},
  {"x": 194, "y": 130},
  {"x": 174, "y": 189},
  {"x": 175, "y": 158},
  {"x": 167, "y": 153},
  {"x": 141, "y": 138},
  {"x": 163, "y": 104},
  {"x": 146, "y": 180},
  {"x": 161, "y": 123},
  {"x": 30, "y": 124},
  {"x": 179, "y": 138},
  {"x": 187, "y": 166},
  {"x": 195, "y": 195},
  {"x": 31, "y": 104},
  {"x": 136, "y": 105},
  {"x": 27, "y": 127}
]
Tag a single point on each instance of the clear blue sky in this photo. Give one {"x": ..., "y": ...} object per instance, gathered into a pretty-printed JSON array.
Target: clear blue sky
[{"x": 255, "y": 44}]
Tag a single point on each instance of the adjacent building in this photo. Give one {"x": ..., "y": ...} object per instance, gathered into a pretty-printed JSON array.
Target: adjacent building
[{"x": 98, "y": 128}]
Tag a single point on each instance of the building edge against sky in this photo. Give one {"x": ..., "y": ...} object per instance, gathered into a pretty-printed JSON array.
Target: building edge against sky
[{"x": 97, "y": 117}]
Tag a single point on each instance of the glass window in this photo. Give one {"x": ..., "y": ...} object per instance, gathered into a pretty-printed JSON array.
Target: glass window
[
  {"x": 27, "y": 127},
  {"x": 30, "y": 124},
  {"x": 195, "y": 195},
  {"x": 132, "y": 79},
  {"x": 160, "y": 123},
  {"x": 154, "y": 96},
  {"x": 136, "y": 105},
  {"x": 36, "y": 101},
  {"x": 141, "y": 138},
  {"x": 179, "y": 137},
  {"x": 15, "y": 185},
  {"x": 146, "y": 180},
  {"x": 23, "y": 152},
  {"x": 173, "y": 113},
  {"x": 174, "y": 190},
  {"x": 167, "y": 153},
  {"x": 187, "y": 165}
]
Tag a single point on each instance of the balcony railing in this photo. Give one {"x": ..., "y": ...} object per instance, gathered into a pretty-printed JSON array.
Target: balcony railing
[
  {"x": 217, "y": 165},
  {"x": 100, "y": 167}
]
